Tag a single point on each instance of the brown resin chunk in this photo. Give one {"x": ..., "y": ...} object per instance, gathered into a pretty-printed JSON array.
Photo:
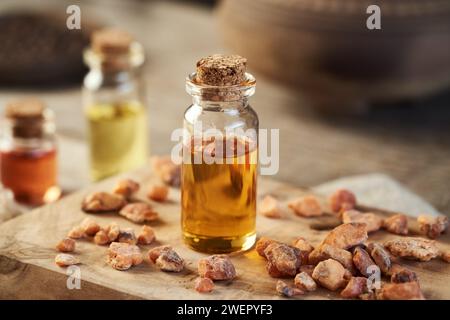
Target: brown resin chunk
[
  {"x": 413, "y": 248},
  {"x": 203, "y": 285},
  {"x": 283, "y": 289},
  {"x": 432, "y": 227},
  {"x": 307, "y": 268},
  {"x": 446, "y": 256},
  {"x": 221, "y": 70},
  {"x": 342, "y": 199},
  {"x": 158, "y": 193},
  {"x": 401, "y": 291},
  {"x": 363, "y": 262},
  {"x": 217, "y": 267},
  {"x": 270, "y": 208},
  {"x": 154, "y": 253},
  {"x": 402, "y": 275},
  {"x": 113, "y": 231},
  {"x": 262, "y": 244},
  {"x": 126, "y": 188},
  {"x": 101, "y": 238},
  {"x": 170, "y": 261},
  {"x": 325, "y": 251},
  {"x": 139, "y": 212},
  {"x": 127, "y": 236},
  {"x": 166, "y": 259},
  {"x": 397, "y": 224},
  {"x": 368, "y": 296},
  {"x": 305, "y": 282},
  {"x": 66, "y": 245},
  {"x": 355, "y": 287},
  {"x": 372, "y": 221},
  {"x": 302, "y": 244},
  {"x": 146, "y": 235},
  {"x": 380, "y": 256},
  {"x": 76, "y": 232},
  {"x": 307, "y": 206},
  {"x": 395, "y": 268},
  {"x": 65, "y": 260},
  {"x": 168, "y": 172},
  {"x": 282, "y": 260},
  {"x": 102, "y": 202},
  {"x": 347, "y": 275},
  {"x": 90, "y": 227},
  {"x": 347, "y": 235},
  {"x": 330, "y": 274},
  {"x": 122, "y": 256}
]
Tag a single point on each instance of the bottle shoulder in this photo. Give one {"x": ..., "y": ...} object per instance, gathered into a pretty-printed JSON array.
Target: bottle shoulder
[
  {"x": 245, "y": 117},
  {"x": 96, "y": 80}
]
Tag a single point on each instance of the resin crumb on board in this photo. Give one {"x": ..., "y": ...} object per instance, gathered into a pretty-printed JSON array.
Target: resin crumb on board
[{"x": 65, "y": 260}]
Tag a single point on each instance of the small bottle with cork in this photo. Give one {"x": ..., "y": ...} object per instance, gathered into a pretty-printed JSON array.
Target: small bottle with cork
[
  {"x": 28, "y": 153},
  {"x": 220, "y": 157},
  {"x": 114, "y": 106}
]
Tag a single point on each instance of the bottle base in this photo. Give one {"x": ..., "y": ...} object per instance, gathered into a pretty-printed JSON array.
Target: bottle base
[
  {"x": 219, "y": 244},
  {"x": 31, "y": 199}
]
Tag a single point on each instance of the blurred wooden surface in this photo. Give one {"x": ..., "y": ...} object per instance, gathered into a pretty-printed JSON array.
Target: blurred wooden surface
[{"x": 411, "y": 142}]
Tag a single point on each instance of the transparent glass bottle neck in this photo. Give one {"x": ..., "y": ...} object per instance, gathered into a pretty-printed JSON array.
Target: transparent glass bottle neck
[
  {"x": 220, "y": 106},
  {"x": 112, "y": 77},
  {"x": 220, "y": 98}
]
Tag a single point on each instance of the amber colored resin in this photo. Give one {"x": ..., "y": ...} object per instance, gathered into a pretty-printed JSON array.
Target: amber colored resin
[
  {"x": 219, "y": 200},
  {"x": 30, "y": 174}
]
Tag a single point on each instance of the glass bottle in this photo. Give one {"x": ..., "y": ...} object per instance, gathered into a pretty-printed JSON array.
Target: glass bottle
[
  {"x": 114, "y": 104},
  {"x": 219, "y": 197},
  {"x": 28, "y": 153}
]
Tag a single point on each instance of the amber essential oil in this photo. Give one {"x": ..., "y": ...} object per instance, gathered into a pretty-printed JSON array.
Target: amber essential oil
[{"x": 219, "y": 199}]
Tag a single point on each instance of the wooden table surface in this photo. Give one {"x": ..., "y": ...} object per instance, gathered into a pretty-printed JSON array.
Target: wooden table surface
[
  {"x": 27, "y": 251},
  {"x": 409, "y": 142}
]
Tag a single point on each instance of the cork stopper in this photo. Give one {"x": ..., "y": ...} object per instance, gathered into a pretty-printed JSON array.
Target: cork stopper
[
  {"x": 27, "y": 117},
  {"x": 25, "y": 109},
  {"x": 221, "y": 70},
  {"x": 110, "y": 41}
]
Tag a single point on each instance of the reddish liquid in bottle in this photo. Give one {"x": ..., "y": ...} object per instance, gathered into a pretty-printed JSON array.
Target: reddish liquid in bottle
[{"x": 30, "y": 174}]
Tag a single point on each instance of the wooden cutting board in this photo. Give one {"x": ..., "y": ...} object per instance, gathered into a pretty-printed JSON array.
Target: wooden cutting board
[{"x": 27, "y": 269}]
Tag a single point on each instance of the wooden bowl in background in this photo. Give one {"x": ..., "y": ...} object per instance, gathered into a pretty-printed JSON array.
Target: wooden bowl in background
[
  {"x": 37, "y": 49},
  {"x": 323, "y": 48}
]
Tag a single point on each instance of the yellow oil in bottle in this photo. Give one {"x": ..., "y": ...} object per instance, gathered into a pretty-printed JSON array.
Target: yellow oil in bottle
[
  {"x": 219, "y": 201},
  {"x": 117, "y": 137}
]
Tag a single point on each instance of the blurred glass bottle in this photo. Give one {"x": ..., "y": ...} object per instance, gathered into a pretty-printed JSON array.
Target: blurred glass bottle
[
  {"x": 113, "y": 100},
  {"x": 28, "y": 155}
]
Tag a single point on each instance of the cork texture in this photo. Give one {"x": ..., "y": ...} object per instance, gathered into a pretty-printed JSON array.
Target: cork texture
[
  {"x": 25, "y": 109},
  {"x": 111, "y": 41},
  {"x": 221, "y": 70}
]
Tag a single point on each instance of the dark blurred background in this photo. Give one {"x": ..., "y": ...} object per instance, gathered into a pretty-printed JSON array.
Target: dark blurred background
[{"x": 348, "y": 100}]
